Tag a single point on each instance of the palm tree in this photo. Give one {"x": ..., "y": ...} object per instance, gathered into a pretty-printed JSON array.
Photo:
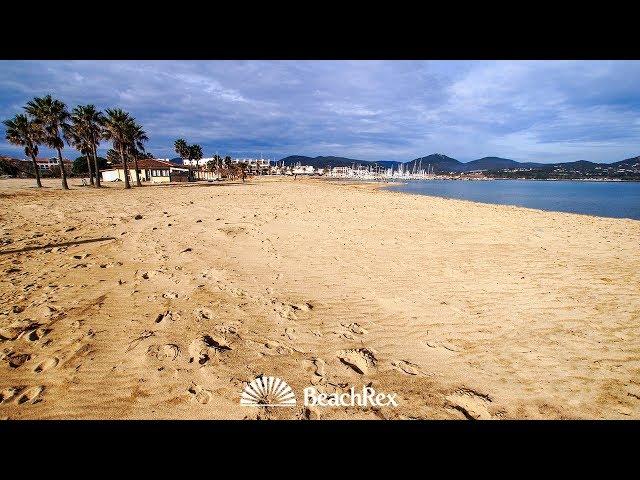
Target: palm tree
[
  {"x": 183, "y": 151},
  {"x": 136, "y": 137},
  {"x": 75, "y": 138},
  {"x": 195, "y": 153},
  {"x": 52, "y": 116},
  {"x": 243, "y": 171},
  {"x": 112, "y": 156},
  {"x": 181, "y": 148},
  {"x": 115, "y": 126},
  {"x": 85, "y": 122},
  {"x": 25, "y": 133}
]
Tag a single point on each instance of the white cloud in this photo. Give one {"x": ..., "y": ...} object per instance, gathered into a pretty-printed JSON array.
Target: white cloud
[{"x": 376, "y": 110}]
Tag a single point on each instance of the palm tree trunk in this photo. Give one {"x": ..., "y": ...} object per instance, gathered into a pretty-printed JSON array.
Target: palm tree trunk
[
  {"x": 135, "y": 162},
  {"x": 90, "y": 172},
  {"x": 63, "y": 174},
  {"x": 35, "y": 166},
  {"x": 126, "y": 169},
  {"x": 95, "y": 166}
]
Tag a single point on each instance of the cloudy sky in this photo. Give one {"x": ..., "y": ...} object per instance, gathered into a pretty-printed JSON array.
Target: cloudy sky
[{"x": 545, "y": 111}]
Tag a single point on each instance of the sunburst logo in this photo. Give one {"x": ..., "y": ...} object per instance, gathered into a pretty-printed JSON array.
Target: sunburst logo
[{"x": 268, "y": 392}]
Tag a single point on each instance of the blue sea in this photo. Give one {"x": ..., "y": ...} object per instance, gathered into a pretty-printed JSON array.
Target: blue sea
[{"x": 604, "y": 199}]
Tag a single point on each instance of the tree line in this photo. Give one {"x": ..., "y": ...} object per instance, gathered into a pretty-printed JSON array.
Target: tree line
[{"x": 47, "y": 121}]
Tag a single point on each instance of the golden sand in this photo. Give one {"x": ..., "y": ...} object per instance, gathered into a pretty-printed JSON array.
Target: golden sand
[{"x": 465, "y": 310}]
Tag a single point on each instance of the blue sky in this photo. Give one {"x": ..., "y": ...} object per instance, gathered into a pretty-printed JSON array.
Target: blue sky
[{"x": 545, "y": 111}]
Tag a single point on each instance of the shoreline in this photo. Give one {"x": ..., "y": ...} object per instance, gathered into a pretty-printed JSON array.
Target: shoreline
[{"x": 463, "y": 309}]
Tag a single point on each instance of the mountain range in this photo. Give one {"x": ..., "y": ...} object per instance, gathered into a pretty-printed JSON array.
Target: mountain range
[{"x": 444, "y": 164}]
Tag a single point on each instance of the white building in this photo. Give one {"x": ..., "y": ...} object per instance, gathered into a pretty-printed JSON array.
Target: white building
[
  {"x": 342, "y": 172},
  {"x": 303, "y": 170},
  {"x": 195, "y": 163},
  {"x": 259, "y": 166},
  {"x": 46, "y": 164}
]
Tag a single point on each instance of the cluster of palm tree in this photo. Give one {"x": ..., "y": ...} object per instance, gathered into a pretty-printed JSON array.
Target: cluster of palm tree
[
  {"x": 188, "y": 152},
  {"x": 224, "y": 166},
  {"x": 218, "y": 163},
  {"x": 48, "y": 122}
]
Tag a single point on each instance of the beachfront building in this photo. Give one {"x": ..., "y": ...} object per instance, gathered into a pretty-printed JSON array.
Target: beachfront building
[
  {"x": 341, "y": 172},
  {"x": 204, "y": 174},
  {"x": 45, "y": 165},
  {"x": 149, "y": 170},
  {"x": 278, "y": 169},
  {"x": 197, "y": 163},
  {"x": 303, "y": 170},
  {"x": 254, "y": 166}
]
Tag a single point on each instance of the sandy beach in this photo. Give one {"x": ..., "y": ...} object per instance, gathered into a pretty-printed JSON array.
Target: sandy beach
[{"x": 465, "y": 310}]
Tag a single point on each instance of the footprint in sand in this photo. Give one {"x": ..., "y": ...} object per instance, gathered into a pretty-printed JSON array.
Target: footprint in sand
[
  {"x": 166, "y": 317},
  {"x": 136, "y": 341},
  {"x": 354, "y": 328},
  {"x": 17, "y": 329},
  {"x": 9, "y": 393},
  {"x": 199, "y": 393},
  {"x": 290, "y": 311},
  {"x": 46, "y": 364},
  {"x": 285, "y": 311},
  {"x": 202, "y": 348},
  {"x": 30, "y": 395},
  {"x": 406, "y": 367},
  {"x": 49, "y": 311},
  {"x": 472, "y": 404},
  {"x": 10, "y": 333},
  {"x": 268, "y": 347},
  {"x": 305, "y": 307},
  {"x": 359, "y": 359},
  {"x": 225, "y": 329},
  {"x": 168, "y": 351},
  {"x": 320, "y": 366},
  {"x": 319, "y": 375},
  {"x": 36, "y": 334},
  {"x": 203, "y": 314},
  {"x": 16, "y": 360}
]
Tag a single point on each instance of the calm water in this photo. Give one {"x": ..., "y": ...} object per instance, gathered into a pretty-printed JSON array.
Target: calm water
[{"x": 605, "y": 199}]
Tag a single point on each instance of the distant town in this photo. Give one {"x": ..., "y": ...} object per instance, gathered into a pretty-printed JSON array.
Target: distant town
[{"x": 160, "y": 170}]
